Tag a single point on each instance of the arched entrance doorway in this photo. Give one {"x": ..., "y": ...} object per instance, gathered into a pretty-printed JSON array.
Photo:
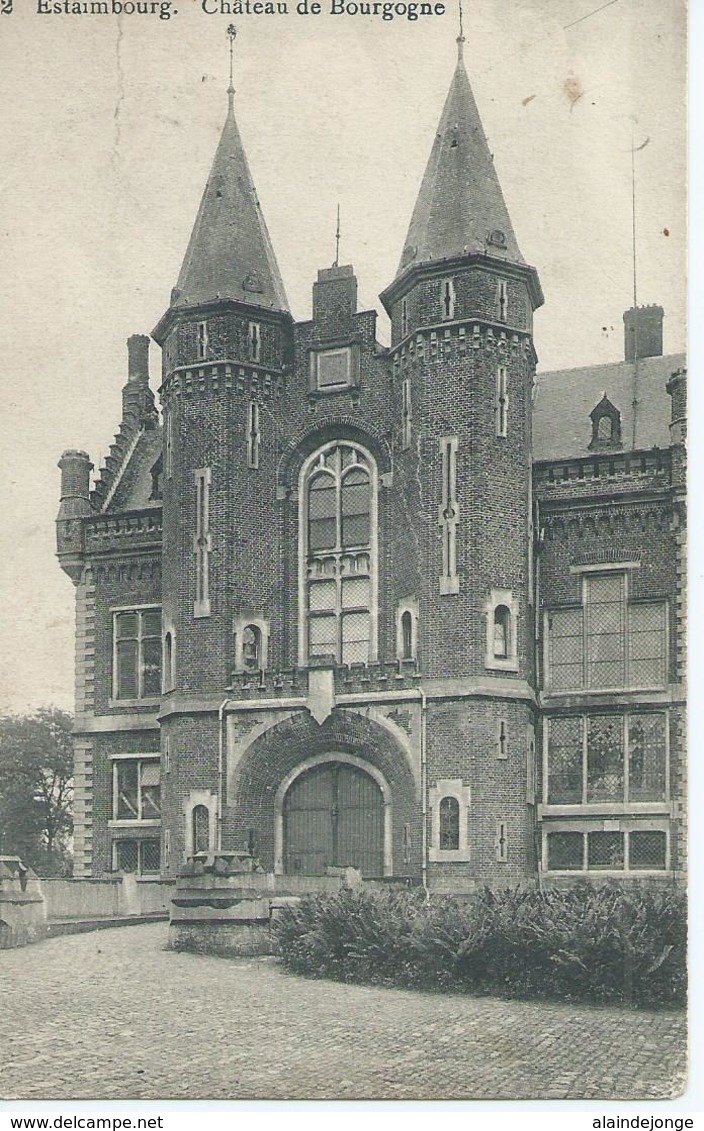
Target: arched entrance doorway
[{"x": 333, "y": 815}]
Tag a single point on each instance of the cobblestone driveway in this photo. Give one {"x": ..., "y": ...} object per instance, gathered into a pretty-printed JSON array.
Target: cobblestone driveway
[{"x": 112, "y": 1014}]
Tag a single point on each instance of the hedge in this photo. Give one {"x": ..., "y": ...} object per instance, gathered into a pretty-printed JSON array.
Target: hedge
[{"x": 589, "y": 943}]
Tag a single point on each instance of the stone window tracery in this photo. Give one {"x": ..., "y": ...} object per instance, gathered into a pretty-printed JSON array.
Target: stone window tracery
[{"x": 338, "y": 554}]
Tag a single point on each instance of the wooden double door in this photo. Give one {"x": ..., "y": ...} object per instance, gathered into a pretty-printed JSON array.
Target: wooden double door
[{"x": 334, "y": 815}]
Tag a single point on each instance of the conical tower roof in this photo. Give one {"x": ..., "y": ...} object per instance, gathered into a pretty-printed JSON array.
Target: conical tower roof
[
  {"x": 460, "y": 207},
  {"x": 229, "y": 254}
]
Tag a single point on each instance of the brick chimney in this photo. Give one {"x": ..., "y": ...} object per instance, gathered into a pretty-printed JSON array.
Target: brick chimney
[
  {"x": 334, "y": 303},
  {"x": 642, "y": 332}
]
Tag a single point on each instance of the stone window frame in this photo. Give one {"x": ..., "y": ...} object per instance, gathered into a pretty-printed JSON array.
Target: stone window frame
[
  {"x": 352, "y": 373},
  {"x": 210, "y": 800},
  {"x": 625, "y": 803},
  {"x": 304, "y": 478},
  {"x": 497, "y": 599},
  {"x": 408, "y": 606},
  {"x": 117, "y": 700},
  {"x": 240, "y": 623},
  {"x": 624, "y": 825},
  {"x": 142, "y": 759},
  {"x": 449, "y": 787}
]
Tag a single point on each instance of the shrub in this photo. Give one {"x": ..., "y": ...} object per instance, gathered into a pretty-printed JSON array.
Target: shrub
[{"x": 588, "y": 943}]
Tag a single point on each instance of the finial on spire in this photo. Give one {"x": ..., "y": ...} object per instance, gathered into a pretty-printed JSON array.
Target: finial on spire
[
  {"x": 460, "y": 37},
  {"x": 337, "y": 239},
  {"x": 232, "y": 36}
]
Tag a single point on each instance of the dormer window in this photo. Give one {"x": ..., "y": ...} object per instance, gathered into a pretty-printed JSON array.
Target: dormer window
[
  {"x": 202, "y": 341},
  {"x": 448, "y": 298},
  {"x": 255, "y": 341},
  {"x": 606, "y": 425}
]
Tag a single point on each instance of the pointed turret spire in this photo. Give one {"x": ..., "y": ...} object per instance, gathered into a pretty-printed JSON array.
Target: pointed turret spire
[
  {"x": 230, "y": 255},
  {"x": 460, "y": 208}
]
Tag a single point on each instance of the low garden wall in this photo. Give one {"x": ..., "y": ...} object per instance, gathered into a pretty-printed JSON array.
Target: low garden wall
[{"x": 109, "y": 897}]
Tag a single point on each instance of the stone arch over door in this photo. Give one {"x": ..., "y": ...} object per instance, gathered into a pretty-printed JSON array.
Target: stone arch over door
[{"x": 282, "y": 754}]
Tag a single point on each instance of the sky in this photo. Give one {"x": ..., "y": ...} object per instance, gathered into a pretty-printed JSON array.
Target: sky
[{"x": 108, "y": 131}]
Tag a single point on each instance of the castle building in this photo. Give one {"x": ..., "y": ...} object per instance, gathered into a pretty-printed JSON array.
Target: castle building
[{"x": 409, "y": 609}]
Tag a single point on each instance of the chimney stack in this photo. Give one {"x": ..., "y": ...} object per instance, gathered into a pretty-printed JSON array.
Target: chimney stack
[
  {"x": 334, "y": 303},
  {"x": 138, "y": 358},
  {"x": 642, "y": 332}
]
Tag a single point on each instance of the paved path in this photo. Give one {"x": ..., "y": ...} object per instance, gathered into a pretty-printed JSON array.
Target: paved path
[{"x": 114, "y": 1015}]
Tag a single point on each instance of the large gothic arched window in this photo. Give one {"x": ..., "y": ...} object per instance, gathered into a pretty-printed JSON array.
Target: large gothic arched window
[{"x": 338, "y": 555}]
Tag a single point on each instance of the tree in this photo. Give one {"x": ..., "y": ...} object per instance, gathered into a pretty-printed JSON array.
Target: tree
[{"x": 36, "y": 789}]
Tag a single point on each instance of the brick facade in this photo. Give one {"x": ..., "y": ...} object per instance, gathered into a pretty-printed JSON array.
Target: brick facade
[{"x": 442, "y": 715}]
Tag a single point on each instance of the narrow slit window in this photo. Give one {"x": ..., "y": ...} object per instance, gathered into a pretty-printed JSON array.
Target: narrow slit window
[
  {"x": 406, "y": 413},
  {"x": 255, "y": 341},
  {"x": 202, "y": 543},
  {"x": 404, "y": 318},
  {"x": 253, "y": 436},
  {"x": 169, "y": 444},
  {"x": 407, "y": 635},
  {"x": 502, "y": 842},
  {"x": 501, "y": 402},
  {"x": 503, "y": 300},
  {"x": 202, "y": 341},
  {"x": 168, "y": 661},
  {"x": 502, "y": 740},
  {"x": 449, "y": 516},
  {"x": 448, "y": 299}
]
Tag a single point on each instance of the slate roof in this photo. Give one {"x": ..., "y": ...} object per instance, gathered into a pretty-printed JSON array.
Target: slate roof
[
  {"x": 229, "y": 254},
  {"x": 565, "y": 398},
  {"x": 460, "y": 200}
]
